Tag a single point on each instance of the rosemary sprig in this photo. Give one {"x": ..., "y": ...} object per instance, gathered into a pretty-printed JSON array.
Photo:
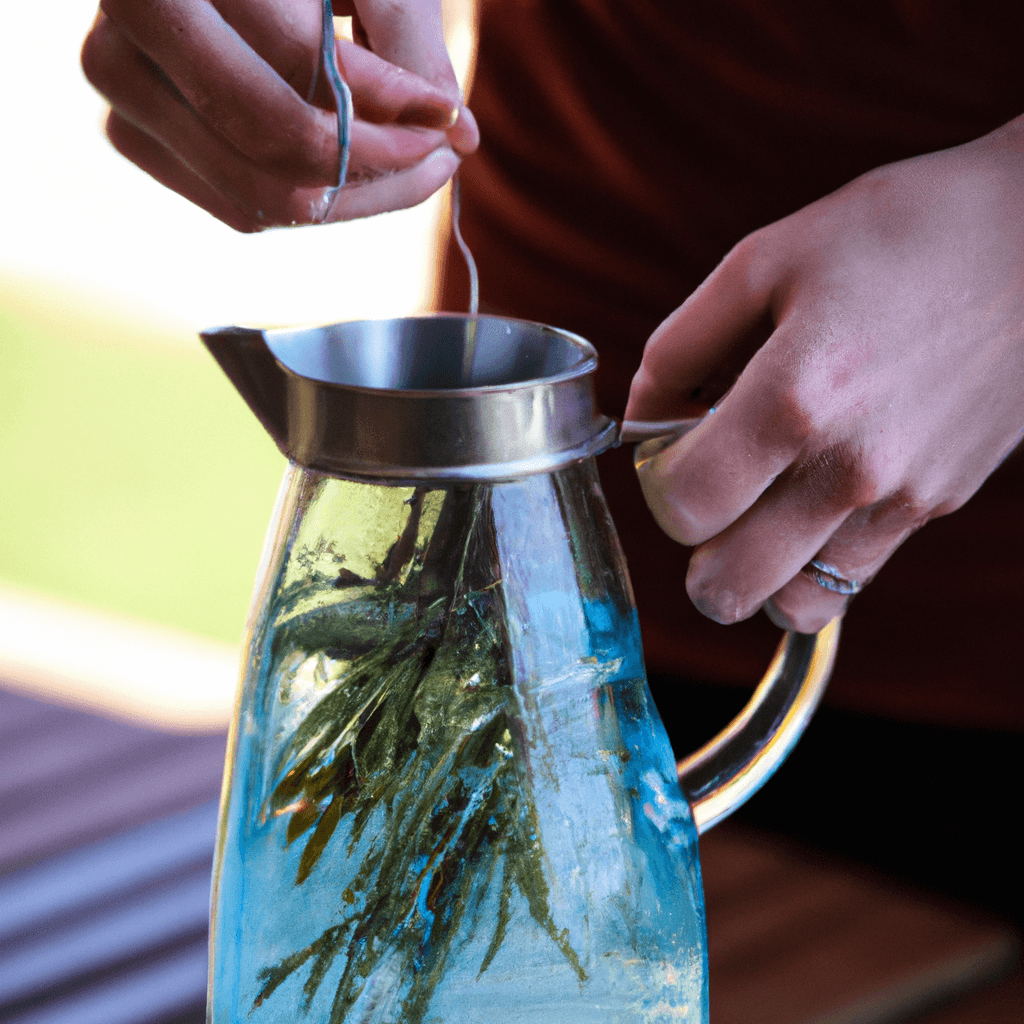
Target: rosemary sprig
[{"x": 420, "y": 738}]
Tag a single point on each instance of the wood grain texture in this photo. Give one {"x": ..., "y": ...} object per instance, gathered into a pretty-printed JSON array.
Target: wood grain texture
[{"x": 793, "y": 939}]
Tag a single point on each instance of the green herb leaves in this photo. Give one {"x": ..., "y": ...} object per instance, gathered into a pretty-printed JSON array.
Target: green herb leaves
[{"x": 411, "y": 760}]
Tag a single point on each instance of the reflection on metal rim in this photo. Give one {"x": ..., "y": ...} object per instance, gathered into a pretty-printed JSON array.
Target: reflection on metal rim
[{"x": 447, "y": 398}]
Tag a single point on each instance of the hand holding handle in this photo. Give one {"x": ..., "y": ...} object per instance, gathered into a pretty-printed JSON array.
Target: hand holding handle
[{"x": 732, "y": 767}]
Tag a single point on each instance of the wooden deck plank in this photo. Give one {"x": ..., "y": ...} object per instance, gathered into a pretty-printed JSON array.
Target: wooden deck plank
[
  {"x": 793, "y": 939},
  {"x": 796, "y": 940}
]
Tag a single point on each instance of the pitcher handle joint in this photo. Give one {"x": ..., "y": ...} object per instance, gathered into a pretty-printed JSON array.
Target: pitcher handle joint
[{"x": 732, "y": 767}]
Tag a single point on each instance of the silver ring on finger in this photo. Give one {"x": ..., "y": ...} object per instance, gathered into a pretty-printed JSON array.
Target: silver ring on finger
[{"x": 829, "y": 577}]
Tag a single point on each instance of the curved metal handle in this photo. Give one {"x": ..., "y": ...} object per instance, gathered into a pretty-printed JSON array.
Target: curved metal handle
[{"x": 730, "y": 769}]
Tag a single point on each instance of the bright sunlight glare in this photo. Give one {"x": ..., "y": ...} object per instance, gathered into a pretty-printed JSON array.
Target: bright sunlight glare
[{"x": 81, "y": 217}]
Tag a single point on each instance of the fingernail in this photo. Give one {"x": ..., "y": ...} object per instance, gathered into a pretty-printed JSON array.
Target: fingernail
[{"x": 428, "y": 117}]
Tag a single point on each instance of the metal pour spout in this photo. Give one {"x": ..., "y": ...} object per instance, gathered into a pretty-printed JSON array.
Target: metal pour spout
[
  {"x": 244, "y": 355},
  {"x": 439, "y": 398}
]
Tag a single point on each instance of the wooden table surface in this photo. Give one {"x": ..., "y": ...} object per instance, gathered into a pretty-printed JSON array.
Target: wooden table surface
[{"x": 106, "y": 839}]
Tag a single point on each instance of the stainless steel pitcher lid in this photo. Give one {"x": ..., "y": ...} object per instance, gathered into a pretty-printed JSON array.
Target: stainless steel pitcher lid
[{"x": 443, "y": 398}]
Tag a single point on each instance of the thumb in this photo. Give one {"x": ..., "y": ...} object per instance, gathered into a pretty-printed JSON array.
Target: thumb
[{"x": 694, "y": 356}]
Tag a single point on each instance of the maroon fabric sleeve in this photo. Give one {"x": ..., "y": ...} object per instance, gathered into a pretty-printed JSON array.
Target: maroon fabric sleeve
[{"x": 627, "y": 145}]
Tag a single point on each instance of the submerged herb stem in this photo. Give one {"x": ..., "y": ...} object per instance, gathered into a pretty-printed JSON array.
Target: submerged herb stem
[{"x": 411, "y": 760}]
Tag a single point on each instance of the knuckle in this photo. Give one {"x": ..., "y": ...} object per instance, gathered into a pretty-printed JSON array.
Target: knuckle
[
  {"x": 792, "y": 420},
  {"x": 842, "y": 478},
  {"x": 943, "y": 508},
  {"x": 119, "y": 136},
  {"x": 117, "y": 132},
  {"x": 749, "y": 252},
  {"x": 121, "y": 9},
  {"x": 906, "y": 509},
  {"x": 308, "y": 153},
  {"x": 114, "y": 9},
  {"x": 748, "y": 263},
  {"x": 851, "y": 481},
  {"x": 97, "y": 65},
  {"x": 911, "y": 506},
  {"x": 874, "y": 476},
  {"x": 245, "y": 219}
]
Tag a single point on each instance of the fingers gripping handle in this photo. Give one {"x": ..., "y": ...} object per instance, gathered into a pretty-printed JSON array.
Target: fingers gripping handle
[{"x": 733, "y": 766}]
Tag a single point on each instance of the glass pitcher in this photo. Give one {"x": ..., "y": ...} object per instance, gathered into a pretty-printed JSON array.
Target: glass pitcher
[{"x": 449, "y": 796}]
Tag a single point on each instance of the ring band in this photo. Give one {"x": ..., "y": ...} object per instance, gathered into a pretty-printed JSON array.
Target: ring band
[{"x": 829, "y": 577}]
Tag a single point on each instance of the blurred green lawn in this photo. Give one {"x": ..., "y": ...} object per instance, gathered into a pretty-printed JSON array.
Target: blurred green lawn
[{"x": 132, "y": 477}]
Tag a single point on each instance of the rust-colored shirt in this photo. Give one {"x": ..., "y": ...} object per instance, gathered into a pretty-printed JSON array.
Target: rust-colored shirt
[{"x": 627, "y": 145}]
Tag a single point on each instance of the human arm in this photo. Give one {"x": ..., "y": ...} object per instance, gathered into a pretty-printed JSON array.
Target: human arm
[
  {"x": 889, "y": 385},
  {"x": 210, "y": 98}
]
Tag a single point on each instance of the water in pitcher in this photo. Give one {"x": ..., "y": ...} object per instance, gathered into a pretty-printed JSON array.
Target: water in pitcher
[{"x": 451, "y": 799}]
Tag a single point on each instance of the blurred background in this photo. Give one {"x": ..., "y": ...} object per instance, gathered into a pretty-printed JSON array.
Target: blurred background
[
  {"x": 135, "y": 481},
  {"x": 136, "y": 488}
]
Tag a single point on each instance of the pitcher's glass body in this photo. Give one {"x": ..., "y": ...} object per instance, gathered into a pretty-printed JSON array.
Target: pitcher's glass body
[{"x": 450, "y": 797}]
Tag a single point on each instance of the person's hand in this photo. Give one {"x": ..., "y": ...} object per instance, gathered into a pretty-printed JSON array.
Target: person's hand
[
  {"x": 210, "y": 98},
  {"x": 886, "y": 382}
]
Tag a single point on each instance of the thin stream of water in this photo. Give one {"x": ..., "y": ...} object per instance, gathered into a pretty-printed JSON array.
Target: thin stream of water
[
  {"x": 343, "y": 105},
  {"x": 469, "y": 351}
]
